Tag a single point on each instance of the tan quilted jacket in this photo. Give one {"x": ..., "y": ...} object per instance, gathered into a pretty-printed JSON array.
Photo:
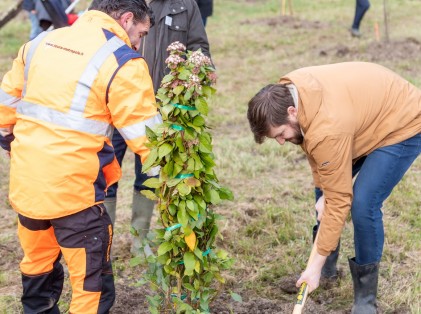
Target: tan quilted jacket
[{"x": 346, "y": 111}]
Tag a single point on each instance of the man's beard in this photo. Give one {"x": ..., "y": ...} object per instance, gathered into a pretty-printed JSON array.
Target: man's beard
[{"x": 298, "y": 137}]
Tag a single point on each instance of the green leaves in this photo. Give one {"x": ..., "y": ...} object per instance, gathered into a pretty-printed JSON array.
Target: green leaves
[
  {"x": 187, "y": 263},
  {"x": 212, "y": 196},
  {"x": 167, "y": 78},
  {"x": 150, "y": 161},
  {"x": 236, "y": 297},
  {"x": 164, "y": 150},
  {"x": 150, "y": 134},
  {"x": 183, "y": 189},
  {"x": 149, "y": 194},
  {"x": 202, "y": 105},
  {"x": 184, "y": 74},
  {"x": 164, "y": 248},
  {"x": 177, "y": 90},
  {"x": 166, "y": 110},
  {"x": 182, "y": 216},
  {"x": 226, "y": 194},
  {"x": 152, "y": 183},
  {"x": 198, "y": 121},
  {"x": 208, "y": 91}
]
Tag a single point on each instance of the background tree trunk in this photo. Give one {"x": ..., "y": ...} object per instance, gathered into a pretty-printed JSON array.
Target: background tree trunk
[{"x": 11, "y": 13}]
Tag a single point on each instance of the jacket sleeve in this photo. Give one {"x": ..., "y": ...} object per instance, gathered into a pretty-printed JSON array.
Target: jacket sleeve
[
  {"x": 333, "y": 162},
  {"x": 10, "y": 94},
  {"x": 313, "y": 166},
  {"x": 196, "y": 37},
  {"x": 28, "y": 5},
  {"x": 131, "y": 102}
]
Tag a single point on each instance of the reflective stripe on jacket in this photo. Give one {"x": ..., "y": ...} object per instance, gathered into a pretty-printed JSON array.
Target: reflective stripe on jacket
[{"x": 66, "y": 91}]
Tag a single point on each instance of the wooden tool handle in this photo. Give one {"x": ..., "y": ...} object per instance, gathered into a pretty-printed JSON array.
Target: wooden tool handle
[{"x": 303, "y": 292}]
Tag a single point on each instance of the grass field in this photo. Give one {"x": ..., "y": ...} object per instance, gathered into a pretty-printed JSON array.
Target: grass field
[{"x": 267, "y": 228}]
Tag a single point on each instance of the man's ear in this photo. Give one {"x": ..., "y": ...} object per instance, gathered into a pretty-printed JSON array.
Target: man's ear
[
  {"x": 125, "y": 18},
  {"x": 292, "y": 111}
]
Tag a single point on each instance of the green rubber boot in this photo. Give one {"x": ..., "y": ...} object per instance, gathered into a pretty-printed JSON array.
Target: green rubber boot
[
  {"x": 142, "y": 210},
  {"x": 110, "y": 205},
  {"x": 365, "y": 279}
]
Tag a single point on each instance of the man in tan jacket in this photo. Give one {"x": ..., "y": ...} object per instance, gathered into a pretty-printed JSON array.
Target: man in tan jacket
[{"x": 349, "y": 118}]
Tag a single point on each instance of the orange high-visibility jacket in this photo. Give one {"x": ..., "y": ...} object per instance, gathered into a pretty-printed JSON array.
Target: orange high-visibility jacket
[{"x": 66, "y": 91}]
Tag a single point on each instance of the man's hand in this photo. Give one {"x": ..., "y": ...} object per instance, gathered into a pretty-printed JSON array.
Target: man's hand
[
  {"x": 313, "y": 272},
  {"x": 320, "y": 207}
]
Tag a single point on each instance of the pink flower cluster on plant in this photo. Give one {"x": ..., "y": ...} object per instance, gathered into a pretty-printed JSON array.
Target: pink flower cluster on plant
[
  {"x": 194, "y": 80},
  {"x": 176, "y": 47},
  {"x": 173, "y": 60},
  {"x": 212, "y": 77},
  {"x": 198, "y": 59},
  {"x": 190, "y": 69}
]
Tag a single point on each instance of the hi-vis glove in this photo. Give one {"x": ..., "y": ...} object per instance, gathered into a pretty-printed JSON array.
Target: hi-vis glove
[{"x": 154, "y": 171}]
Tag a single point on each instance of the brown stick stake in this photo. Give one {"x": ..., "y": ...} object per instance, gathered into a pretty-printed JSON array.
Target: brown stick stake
[
  {"x": 291, "y": 12},
  {"x": 283, "y": 2},
  {"x": 377, "y": 31},
  {"x": 386, "y": 21},
  {"x": 283, "y": 7}
]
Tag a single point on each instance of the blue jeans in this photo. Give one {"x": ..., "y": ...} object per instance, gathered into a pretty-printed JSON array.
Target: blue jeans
[
  {"x": 120, "y": 148},
  {"x": 361, "y": 7},
  {"x": 378, "y": 174},
  {"x": 35, "y": 28}
]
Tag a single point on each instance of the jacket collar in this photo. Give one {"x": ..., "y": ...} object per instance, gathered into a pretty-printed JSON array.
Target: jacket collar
[
  {"x": 310, "y": 94},
  {"x": 172, "y": 7},
  {"x": 105, "y": 21}
]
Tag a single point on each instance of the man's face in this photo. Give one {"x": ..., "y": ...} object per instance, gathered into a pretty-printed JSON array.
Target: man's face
[
  {"x": 290, "y": 132},
  {"x": 136, "y": 31}
]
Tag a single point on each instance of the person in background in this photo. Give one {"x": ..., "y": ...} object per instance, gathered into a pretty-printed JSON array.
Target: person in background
[
  {"x": 52, "y": 13},
  {"x": 206, "y": 9},
  {"x": 361, "y": 7},
  {"x": 366, "y": 124},
  {"x": 174, "y": 21},
  {"x": 29, "y": 6},
  {"x": 66, "y": 91}
]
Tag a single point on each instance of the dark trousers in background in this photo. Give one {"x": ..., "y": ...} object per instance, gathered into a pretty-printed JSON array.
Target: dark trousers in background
[
  {"x": 120, "y": 148},
  {"x": 361, "y": 8}
]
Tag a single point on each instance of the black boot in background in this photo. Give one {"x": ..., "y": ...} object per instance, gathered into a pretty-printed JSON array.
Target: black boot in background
[
  {"x": 365, "y": 279},
  {"x": 329, "y": 270}
]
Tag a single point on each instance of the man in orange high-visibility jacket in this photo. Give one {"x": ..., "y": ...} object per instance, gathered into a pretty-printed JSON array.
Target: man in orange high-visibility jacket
[{"x": 58, "y": 105}]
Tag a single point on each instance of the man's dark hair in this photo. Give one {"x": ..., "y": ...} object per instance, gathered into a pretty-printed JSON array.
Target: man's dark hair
[
  {"x": 116, "y": 8},
  {"x": 268, "y": 108}
]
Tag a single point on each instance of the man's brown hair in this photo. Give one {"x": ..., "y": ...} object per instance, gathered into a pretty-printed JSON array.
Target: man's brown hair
[{"x": 268, "y": 108}]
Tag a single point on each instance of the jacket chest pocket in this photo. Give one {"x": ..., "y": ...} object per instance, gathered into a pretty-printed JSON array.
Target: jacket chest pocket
[{"x": 179, "y": 18}]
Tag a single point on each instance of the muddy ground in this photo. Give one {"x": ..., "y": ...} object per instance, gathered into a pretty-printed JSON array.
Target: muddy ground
[{"x": 131, "y": 299}]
